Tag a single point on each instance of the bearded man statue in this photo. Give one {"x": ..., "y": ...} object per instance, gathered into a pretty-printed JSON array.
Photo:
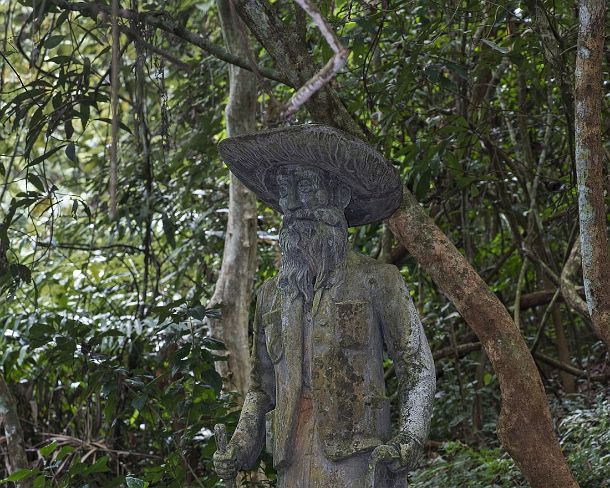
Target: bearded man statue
[{"x": 325, "y": 324}]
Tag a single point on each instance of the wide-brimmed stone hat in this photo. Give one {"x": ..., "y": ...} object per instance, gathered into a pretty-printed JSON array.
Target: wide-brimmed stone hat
[{"x": 256, "y": 158}]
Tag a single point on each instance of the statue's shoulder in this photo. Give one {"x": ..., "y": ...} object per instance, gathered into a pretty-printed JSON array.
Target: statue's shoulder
[
  {"x": 268, "y": 285},
  {"x": 267, "y": 292},
  {"x": 359, "y": 263}
]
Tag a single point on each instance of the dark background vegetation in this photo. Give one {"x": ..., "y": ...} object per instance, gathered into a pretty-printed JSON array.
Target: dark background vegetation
[{"x": 103, "y": 339}]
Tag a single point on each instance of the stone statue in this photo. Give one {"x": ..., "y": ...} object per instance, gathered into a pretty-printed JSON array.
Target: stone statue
[{"x": 317, "y": 394}]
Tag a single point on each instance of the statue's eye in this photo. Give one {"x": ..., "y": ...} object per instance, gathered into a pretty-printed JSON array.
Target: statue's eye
[{"x": 305, "y": 186}]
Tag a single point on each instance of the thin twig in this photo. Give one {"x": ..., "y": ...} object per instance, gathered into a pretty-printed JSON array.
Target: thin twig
[
  {"x": 545, "y": 316},
  {"x": 520, "y": 283},
  {"x": 134, "y": 36},
  {"x": 114, "y": 104}
]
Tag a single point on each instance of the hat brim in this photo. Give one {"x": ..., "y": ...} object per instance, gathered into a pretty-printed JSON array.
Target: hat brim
[{"x": 375, "y": 184}]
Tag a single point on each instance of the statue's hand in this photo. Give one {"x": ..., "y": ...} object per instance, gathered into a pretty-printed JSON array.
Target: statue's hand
[
  {"x": 225, "y": 463},
  {"x": 400, "y": 453}
]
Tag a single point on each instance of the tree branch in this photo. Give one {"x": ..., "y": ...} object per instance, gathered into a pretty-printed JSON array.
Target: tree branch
[
  {"x": 332, "y": 67},
  {"x": 580, "y": 373},
  {"x": 162, "y": 20},
  {"x": 87, "y": 247},
  {"x": 464, "y": 349}
]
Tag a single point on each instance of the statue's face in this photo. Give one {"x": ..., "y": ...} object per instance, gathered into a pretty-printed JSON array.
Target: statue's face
[
  {"x": 309, "y": 189},
  {"x": 302, "y": 188},
  {"x": 313, "y": 237}
]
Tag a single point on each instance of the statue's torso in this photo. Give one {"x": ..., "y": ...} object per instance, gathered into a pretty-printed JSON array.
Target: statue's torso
[{"x": 340, "y": 410}]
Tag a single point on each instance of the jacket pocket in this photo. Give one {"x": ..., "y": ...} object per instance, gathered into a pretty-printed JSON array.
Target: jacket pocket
[
  {"x": 272, "y": 323},
  {"x": 352, "y": 324}
]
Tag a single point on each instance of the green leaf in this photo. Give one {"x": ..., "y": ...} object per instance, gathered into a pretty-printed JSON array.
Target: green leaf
[
  {"x": 135, "y": 482},
  {"x": 100, "y": 466},
  {"x": 42, "y": 158},
  {"x": 169, "y": 229},
  {"x": 87, "y": 209},
  {"x": 40, "y": 481},
  {"x": 60, "y": 59},
  {"x": 86, "y": 72},
  {"x": 32, "y": 95},
  {"x": 109, "y": 121},
  {"x": 84, "y": 113},
  {"x": 62, "y": 18},
  {"x": 36, "y": 181},
  {"x": 63, "y": 452},
  {"x": 53, "y": 41},
  {"x": 69, "y": 128},
  {"x": 198, "y": 312},
  {"x": 213, "y": 344},
  {"x": 71, "y": 152},
  {"x": 493, "y": 45},
  {"x": 19, "y": 475},
  {"x": 48, "y": 449},
  {"x": 139, "y": 402},
  {"x": 21, "y": 272}
]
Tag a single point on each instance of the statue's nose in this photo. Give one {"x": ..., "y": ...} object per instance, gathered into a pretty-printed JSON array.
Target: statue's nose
[{"x": 292, "y": 200}]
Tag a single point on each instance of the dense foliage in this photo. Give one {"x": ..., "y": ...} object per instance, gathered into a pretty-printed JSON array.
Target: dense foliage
[{"x": 104, "y": 342}]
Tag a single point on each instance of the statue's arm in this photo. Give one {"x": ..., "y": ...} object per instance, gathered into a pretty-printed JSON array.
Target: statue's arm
[
  {"x": 408, "y": 347},
  {"x": 249, "y": 437}
]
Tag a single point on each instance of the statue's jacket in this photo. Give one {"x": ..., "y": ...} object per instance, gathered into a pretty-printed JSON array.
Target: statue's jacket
[{"x": 351, "y": 325}]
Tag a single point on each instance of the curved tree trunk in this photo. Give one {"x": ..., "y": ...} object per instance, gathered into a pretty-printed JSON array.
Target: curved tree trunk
[
  {"x": 234, "y": 286},
  {"x": 525, "y": 427},
  {"x": 592, "y": 208}
]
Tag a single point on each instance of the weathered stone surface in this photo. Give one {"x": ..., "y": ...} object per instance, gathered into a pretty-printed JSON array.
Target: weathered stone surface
[{"x": 322, "y": 327}]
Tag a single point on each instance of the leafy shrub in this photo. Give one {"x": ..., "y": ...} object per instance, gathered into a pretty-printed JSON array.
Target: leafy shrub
[
  {"x": 458, "y": 465},
  {"x": 585, "y": 439},
  {"x": 585, "y": 436},
  {"x": 123, "y": 397}
]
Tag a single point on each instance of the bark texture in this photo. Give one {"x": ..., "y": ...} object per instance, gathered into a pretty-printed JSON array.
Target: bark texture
[
  {"x": 16, "y": 458},
  {"x": 525, "y": 427},
  {"x": 589, "y": 165},
  {"x": 234, "y": 286}
]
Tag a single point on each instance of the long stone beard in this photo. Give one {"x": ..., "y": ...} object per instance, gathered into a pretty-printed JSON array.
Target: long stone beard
[{"x": 314, "y": 249}]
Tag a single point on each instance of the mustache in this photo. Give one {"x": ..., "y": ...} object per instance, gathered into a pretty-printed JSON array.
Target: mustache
[{"x": 334, "y": 217}]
